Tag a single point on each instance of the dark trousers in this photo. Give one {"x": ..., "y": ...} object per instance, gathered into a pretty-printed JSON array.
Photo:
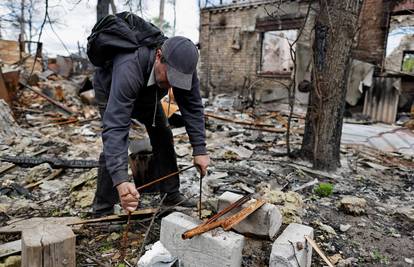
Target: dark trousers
[{"x": 163, "y": 160}]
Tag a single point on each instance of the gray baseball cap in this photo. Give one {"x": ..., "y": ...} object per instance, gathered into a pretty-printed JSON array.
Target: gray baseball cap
[{"x": 181, "y": 57}]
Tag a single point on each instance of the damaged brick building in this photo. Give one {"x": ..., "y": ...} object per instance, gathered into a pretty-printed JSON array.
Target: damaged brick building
[{"x": 245, "y": 50}]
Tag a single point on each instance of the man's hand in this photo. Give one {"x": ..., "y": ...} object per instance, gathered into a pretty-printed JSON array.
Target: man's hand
[
  {"x": 202, "y": 162},
  {"x": 128, "y": 195}
]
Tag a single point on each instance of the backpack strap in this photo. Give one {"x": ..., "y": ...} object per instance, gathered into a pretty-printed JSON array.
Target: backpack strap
[{"x": 146, "y": 58}]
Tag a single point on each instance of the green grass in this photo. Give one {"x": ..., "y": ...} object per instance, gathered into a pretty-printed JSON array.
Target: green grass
[
  {"x": 323, "y": 189},
  {"x": 377, "y": 256}
]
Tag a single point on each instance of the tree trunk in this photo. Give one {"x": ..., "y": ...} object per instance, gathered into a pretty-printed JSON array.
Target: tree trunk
[
  {"x": 335, "y": 30},
  {"x": 102, "y": 9},
  {"x": 161, "y": 17},
  {"x": 175, "y": 16},
  {"x": 113, "y": 7},
  {"x": 22, "y": 28}
]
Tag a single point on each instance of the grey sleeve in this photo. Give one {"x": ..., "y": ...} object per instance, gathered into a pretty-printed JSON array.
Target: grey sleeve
[
  {"x": 126, "y": 82},
  {"x": 191, "y": 108}
]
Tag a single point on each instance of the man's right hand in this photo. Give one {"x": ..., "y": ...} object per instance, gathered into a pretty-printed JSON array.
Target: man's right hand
[{"x": 128, "y": 195}]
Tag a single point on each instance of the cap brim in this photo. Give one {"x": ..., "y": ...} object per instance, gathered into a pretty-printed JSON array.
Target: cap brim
[{"x": 179, "y": 79}]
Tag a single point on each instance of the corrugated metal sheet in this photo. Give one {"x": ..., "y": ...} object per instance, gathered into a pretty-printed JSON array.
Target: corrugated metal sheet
[
  {"x": 381, "y": 101},
  {"x": 384, "y": 137}
]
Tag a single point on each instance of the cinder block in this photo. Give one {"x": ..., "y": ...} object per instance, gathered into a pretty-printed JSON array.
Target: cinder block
[
  {"x": 291, "y": 247},
  {"x": 265, "y": 221},
  {"x": 215, "y": 248}
]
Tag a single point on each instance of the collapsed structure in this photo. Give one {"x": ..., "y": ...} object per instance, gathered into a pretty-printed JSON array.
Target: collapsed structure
[{"x": 245, "y": 47}]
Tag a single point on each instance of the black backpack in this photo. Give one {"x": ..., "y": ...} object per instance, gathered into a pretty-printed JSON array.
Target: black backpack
[{"x": 120, "y": 33}]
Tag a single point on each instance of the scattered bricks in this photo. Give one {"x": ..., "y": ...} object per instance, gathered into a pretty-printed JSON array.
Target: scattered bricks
[
  {"x": 265, "y": 221},
  {"x": 291, "y": 249},
  {"x": 212, "y": 249}
]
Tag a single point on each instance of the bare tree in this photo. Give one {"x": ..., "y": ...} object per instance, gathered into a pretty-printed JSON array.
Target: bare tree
[
  {"x": 161, "y": 16},
  {"x": 24, "y": 17},
  {"x": 335, "y": 29},
  {"x": 173, "y": 2}
]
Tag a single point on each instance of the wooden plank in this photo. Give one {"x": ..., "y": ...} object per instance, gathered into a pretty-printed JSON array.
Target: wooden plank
[
  {"x": 142, "y": 212},
  {"x": 48, "y": 245},
  {"x": 10, "y": 248},
  {"x": 318, "y": 250},
  {"x": 19, "y": 225}
]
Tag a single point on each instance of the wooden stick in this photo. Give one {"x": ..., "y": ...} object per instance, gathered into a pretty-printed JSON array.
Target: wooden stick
[
  {"x": 163, "y": 178},
  {"x": 201, "y": 229},
  {"x": 236, "y": 121},
  {"x": 125, "y": 238},
  {"x": 53, "y": 175},
  {"x": 276, "y": 130},
  {"x": 117, "y": 217},
  {"x": 229, "y": 208},
  {"x": 238, "y": 217},
  {"x": 318, "y": 250},
  {"x": 227, "y": 223},
  {"x": 51, "y": 100}
]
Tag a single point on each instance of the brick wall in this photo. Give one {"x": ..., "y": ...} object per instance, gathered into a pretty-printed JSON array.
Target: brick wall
[
  {"x": 374, "y": 20},
  {"x": 230, "y": 47},
  {"x": 10, "y": 54},
  {"x": 9, "y": 51}
]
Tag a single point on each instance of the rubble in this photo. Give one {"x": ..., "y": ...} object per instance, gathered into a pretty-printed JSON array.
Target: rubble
[
  {"x": 290, "y": 203},
  {"x": 344, "y": 227},
  {"x": 353, "y": 205}
]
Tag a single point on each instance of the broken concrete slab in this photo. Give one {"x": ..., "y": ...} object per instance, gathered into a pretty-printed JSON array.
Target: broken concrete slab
[
  {"x": 265, "y": 221},
  {"x": 157, "y": 256},
  {"x": 213, "y": 249},
  {"x": 291, "y": 249}
]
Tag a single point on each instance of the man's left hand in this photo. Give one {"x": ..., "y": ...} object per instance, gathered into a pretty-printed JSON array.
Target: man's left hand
[{"x": 202, "y": 162}]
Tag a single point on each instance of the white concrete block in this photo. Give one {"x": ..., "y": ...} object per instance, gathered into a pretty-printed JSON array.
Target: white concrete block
[
  {"x": 265, "y": 221},
  {"x": 290, "y": 243},
  {"x": 215, "y": 248}
]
